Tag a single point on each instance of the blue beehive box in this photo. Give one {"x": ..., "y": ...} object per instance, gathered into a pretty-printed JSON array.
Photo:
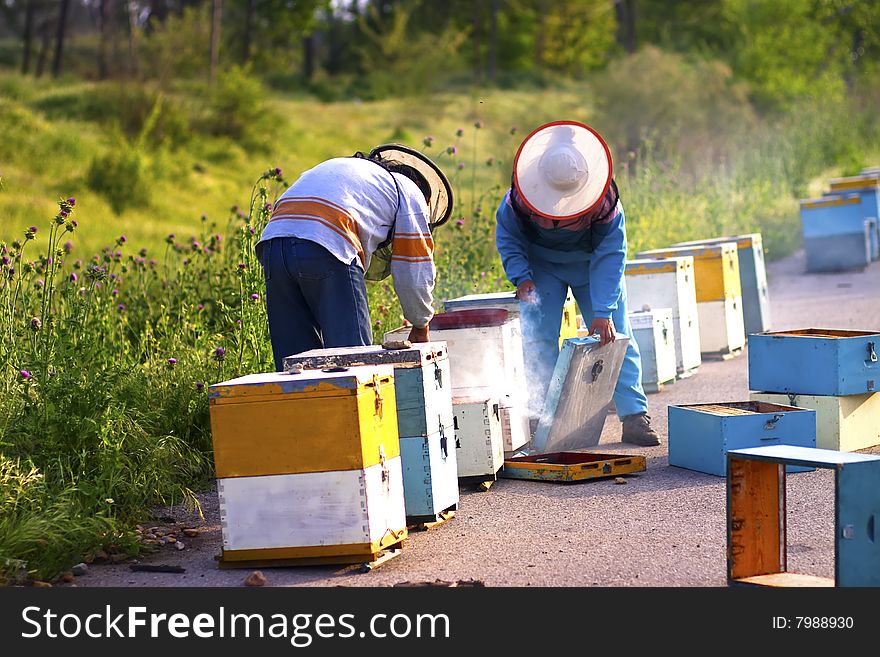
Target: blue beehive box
[
  {"x": 423, "y": 387},
  {"x": 757, "y": 517},
  {"x": 836, "y": 236},
  {"x": 815, "y": 362},
  {"x": 753, "y": 278},
  {"x": 700, "y": 435},
  {"x": 866, "y": 186}
]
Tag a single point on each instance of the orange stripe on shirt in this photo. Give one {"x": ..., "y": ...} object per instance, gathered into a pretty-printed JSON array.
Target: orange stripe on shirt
[
  {"x": 413, "y": 247},
  {"x": 323, "y": 212}
]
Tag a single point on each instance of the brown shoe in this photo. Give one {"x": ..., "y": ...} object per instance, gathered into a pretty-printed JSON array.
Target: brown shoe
[{"x": 638, "y": 431}]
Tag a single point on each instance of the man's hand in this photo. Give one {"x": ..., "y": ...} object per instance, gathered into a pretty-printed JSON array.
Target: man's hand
[
  {"x": 419, "y": 335},
  {"x": 525, "y": 291},
  {"x": 605, "y": 329}
]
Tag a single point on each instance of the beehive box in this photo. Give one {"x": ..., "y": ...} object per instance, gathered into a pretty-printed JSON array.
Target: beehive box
[
  {"x": 514, "y": 425},
  {"x": 757, "y": 516},
  {"x": 571, "y": 466},
  {"x": 654, "y": 332},
  {"x": 485, "y": 350},
  {"x": 308, "y": 466},
  {"x": 508, "y": 301},
  {"x": 836, "y": 236},
  {"x": 843, "y": 423},
  {"x": 669, "y": 283},
  {"x": 815, "y": 362},
  {"x": 423, "y": 390},
  {"x": 869, "y": 199},
  {"x": 874, "y": 230},
  {"x": 719, "y": 295},
  {"x": 579, "y": 394},
  {"x": 753, "y": 279},
  {"x": 700, "y": 435},
  {"x": 478, "y": 434}
]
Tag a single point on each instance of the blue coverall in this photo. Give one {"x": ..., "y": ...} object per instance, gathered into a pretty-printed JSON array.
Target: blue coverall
[{"x": 597, "y": 282}]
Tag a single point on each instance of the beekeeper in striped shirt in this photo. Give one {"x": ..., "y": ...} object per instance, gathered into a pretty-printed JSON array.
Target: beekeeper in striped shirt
[
  {"x": 345, "y": 221},
  {"x": 562, "y": 226}
]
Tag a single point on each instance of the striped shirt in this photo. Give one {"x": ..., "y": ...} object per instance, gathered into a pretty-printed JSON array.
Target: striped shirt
[{"x": 350, "y": 206}]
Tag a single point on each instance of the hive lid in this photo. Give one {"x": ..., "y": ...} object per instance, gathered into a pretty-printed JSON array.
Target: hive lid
[
  {"x": 864, "y": 181},
  {"x": 657, "y": 265},
  {"x": 579, "y": 394},
  {"x": 473, "y": 318},
  {"x": 345, "y": 381},
  {"x": 830, "y": 201},
  {"x": 819, "y": 333},
  {"x": 493, "y": 299},
  {"x": 698, "y": 251},
  {"x": 742, "y": 241},
  {"x": 415, "y": 356}
]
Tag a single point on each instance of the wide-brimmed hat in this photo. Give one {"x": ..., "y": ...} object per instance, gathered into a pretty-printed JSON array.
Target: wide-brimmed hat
[
  {"x": 440, "y": 203},
  {"x": 562, "y": 170}
]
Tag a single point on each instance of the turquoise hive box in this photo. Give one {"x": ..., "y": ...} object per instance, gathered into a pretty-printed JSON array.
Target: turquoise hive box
[
  {"x": 836, "y": 235},
  {"x": 815, "y": 362},
  {"x": 700, "y": 435},
  {"x": 425, "y": 419}
]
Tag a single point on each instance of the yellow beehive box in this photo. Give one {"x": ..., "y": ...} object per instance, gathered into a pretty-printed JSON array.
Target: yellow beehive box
[
  {"x": 315, "y": 421},
  {"x": 569, "y": 327},
  {"x": 716, "y": 268}
]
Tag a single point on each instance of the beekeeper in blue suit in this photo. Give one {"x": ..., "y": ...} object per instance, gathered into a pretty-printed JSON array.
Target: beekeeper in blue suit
[{"x": 561, "y": 226}]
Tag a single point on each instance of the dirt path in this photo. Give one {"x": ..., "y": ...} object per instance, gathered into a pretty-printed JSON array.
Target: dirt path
[{"x": 666, "y": 527}]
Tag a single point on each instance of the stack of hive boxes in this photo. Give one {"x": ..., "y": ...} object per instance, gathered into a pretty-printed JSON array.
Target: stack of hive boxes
[
  {"x": 753, "y": 279},
  {"x": 867, "y": 186},
  {"x": 835, "y": 372},
  {"x": 719, "y": 295},
  {"x": 488, "y": 375},
  {"x": 308, "y": 466},
  {"x": 669, "y": 283},
  {"x": 423, "y": 390}
]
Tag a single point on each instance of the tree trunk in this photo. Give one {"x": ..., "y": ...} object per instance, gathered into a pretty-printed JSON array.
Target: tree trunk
[
  {"x": 28, "y": 36},
  {"x": 540, "y": 36},
  {"x": 308, "y": 43},
  {"x": 132, "y": 39},
  {"x": 626, "y": 24},
  {"x": 45, "y": 30},
  {"x": 493, "y": 41},
  {"x": 59, "y": 38},
  {"x": 104, "y": 11},
  {"x": 248, "y": 27},
  {"x": 478, "y": 60},
  {"x": 216, "y": 12}
]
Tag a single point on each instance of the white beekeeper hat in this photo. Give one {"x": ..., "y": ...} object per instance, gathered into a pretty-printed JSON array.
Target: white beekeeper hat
[{"x": 562, "y": 170}]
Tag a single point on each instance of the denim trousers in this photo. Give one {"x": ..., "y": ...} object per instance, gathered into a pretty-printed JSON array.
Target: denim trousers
[
  {"x": 313, "y": 299},
  {"x": 540, "y": 326}
]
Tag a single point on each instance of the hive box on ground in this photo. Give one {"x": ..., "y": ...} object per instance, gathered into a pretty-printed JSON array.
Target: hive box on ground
[
  {"x": 485, "y": 350},
  {"x": 308, "y": 466},
  {"x": 571, "y": 466},
  {"x": 753, "y": 279},
  {"x": 423, "y": 389},
  {"x": 669, "y": 283},
  {"x": 719, "y": 296},
  {"x": 836, "y": 236},
  {"x": 478, "y": 433},
  {"x": 757, "y": 516},
  {"x": 867, "y": 186},
  {"x": 843, "y": 423},
  {"x": 700, "y": 435},
  {"x": 815, "y": 362},
  {"x": 508, "y": 301},
  {"x": 654, "y": 332},
  {"x": 514, "y": 425},
  {"x": 579, "y": 394}
]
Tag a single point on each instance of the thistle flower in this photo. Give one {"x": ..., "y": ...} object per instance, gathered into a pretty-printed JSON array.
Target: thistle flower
[
  {"x": 170, "y": 238},
  {"x": 277, "y": 172},
  {"x": 172, "y": 362},
  {"x": 478, "y": 125},
  {"x": 459, "y": 223},
  {"x": 71, "y": 201},
  {"x": 452, "y": 150},
  {"x": 459, "y": 132},
  {"x": 73, "y": 277},
  {"x": 36, "y": 323},
  {"x": 255, "y": 296},
  {"x": 25, "y": 374},
  {"x": 242, "y": 266},
  {"x": 186, "y": 261},
  {"x": 200, "y": 386},
  {"x": 120, "y": 307},
  {"x": 201, "y": 306},
  {"x": 460, "y": 166},
  {"x": 122, "y": 239},
  {"x": 68, "y": 246},
  {"x": 428, "y": 141},
  {"x": 513, "y": 130},
  {"x": 490, "y": 161},
  {"x": 219, "y": 354}
]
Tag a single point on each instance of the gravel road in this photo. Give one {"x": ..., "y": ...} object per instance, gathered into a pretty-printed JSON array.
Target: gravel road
[{"x": 665, "y": 527}]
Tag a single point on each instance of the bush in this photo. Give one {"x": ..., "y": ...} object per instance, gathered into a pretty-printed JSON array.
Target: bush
[
  {"x": 120, "y": 175},
  {"x": 237, "y": 106}
]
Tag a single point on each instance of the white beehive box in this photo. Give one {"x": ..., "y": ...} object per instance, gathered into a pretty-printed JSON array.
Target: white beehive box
[
  {"x": 514, "y": 425},
  {"x": 654, "y": 332},
  {"x": 669, "y": 283},
  {"x": 478, "y": 433},
  {"x": 482, "y": 356}
]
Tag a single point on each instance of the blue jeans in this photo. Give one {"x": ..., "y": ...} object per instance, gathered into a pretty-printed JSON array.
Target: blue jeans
[
  {"x": 540, "y": 327},
  {"x": 312, "y": 298}
]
